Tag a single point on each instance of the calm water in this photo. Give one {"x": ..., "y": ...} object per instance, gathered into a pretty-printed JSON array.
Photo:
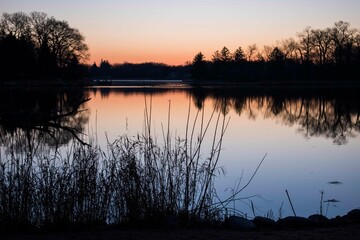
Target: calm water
[{"x": 310, "y": 135}]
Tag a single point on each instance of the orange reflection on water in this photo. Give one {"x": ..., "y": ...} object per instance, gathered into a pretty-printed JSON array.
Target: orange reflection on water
[{"x": 119, "y": 112}]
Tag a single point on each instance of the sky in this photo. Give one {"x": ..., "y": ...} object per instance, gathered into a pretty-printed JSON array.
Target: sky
[{"x": 174, "y": 31}]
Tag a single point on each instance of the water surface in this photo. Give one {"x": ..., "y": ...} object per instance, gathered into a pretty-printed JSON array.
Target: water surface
[{"x": 310, "y": 135}]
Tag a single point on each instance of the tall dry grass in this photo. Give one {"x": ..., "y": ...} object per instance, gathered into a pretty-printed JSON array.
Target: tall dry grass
[{"x": 134, "y": 180}]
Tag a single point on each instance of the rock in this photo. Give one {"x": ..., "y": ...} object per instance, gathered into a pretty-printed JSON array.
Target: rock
[
  {"x": 295, "y": 222},
  {"x": 354, "y": 216},
  {"x": 240, "y": 223},
  {"x": 340, "y": 220},
  {"x": 318, "y": 219},
  {"x": 263, "y": 222}
]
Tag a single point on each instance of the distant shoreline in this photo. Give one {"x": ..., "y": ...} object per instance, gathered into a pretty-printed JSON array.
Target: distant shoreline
[{"x": 177, "y": 83}]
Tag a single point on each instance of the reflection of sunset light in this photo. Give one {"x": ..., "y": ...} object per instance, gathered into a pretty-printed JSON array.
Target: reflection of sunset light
[
  {"x": 118, "y": 108},
  {"x": 293, "y": 162}
]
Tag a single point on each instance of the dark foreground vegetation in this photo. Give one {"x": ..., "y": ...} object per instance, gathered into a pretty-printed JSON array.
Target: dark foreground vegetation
[
  {"x": 349, "y": 232},
  {"x": 83, "y": 191},
  {"x": 38, "y": 47},
  {"x": 46, "y": 185}
]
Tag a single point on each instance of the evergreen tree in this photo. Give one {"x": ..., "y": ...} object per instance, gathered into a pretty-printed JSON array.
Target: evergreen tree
[
  {"x": 239, "y": 55},
  {"x": 198, "y": 69}
]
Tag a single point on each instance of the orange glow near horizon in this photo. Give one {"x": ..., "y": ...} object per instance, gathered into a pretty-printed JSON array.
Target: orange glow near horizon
[
  {"x": 161, "y": 52},
  {"x": 171, "y": 50},
  {"x": 173, "y": 32},
  {"x": 118, "y": 57}
]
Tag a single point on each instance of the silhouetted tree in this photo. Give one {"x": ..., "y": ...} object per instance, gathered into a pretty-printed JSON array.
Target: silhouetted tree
[
  {"x": 239, "y": 55},
  {"x": 17, "y": 58},
  {"x": 66, "y": 43},
  {"x": 251, "y": 51},
  {"x": 15, "y": 25},
  {"x": 322, "y": 42},
  {"x": 259, "y": 57},
  {"x": 276, "y": 63},
  {"x": 225, "y": 55},
  {"x": 221, "y": 64},
  {"x": 51, "y": 41},
  {"x": 216, "y": 57},
  {"x": 74, "y": 69},
  {"x": 105, "y": 69},
  {"x": 94, "y": 71},
  {"x": 39, "y": 28},
  {"x": 343, "y": 38},
  {"x": 276, "y": 56},
  {"x": 305, "y": 45},
  {"x": 198, "y": 68},
  {"x": 290, "y": 48},
  {"x": 46, "y": 61}
]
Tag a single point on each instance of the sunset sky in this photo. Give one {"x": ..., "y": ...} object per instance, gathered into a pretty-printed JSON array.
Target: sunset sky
[{"x": 173, "y": 31}]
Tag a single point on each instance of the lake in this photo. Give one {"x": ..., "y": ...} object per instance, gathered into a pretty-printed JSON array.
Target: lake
[{"x": 308, "y": 135}]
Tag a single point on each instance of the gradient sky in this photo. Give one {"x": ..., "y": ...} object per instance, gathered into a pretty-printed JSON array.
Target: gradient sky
[{"x": 173, "y": 31}]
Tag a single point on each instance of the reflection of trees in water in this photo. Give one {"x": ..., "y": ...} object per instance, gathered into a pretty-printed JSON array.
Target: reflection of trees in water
[
  {"x": 332, "y": 115},
  {"x": 328, "y": 112},
  {"x": 331, "y": 118},
  {"x": 31, "y": 118},
  {"x": 223, "y": 105}
]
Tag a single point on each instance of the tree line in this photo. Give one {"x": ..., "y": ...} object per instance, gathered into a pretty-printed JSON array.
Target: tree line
[
  {"x": 36, "y": 46},
  {"x": 331, "y": 53},
  {"x": 148, "y": 70},
  {"x": 315, "y": 54}
]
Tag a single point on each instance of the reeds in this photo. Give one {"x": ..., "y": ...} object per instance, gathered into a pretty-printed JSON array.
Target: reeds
[{"x": 136, "y": 179}]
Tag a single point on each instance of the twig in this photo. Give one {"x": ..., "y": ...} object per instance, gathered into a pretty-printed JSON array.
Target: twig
[
  {"x": 237, "y": 192},
  {"x": 252, "y": 208},
  {"x": 292, "y": 207}
]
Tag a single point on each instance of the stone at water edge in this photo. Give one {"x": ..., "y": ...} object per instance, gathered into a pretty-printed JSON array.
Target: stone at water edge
[
  {"x": 263, "y": 222},
  {"x": 318, "y": 219},
  {"x": 240, "y": 223},
  {"x": 354, "y": 215},
  {"x": 295, "y": 222}
]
